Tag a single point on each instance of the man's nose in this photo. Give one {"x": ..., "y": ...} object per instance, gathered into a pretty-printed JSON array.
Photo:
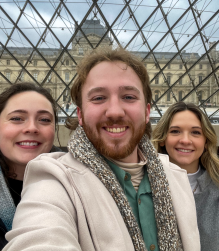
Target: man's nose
[{"x": 115, "y": 109}]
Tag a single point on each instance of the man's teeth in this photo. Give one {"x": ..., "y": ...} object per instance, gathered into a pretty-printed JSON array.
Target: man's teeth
[
  {"x": 115, "y": 130},
  {"x": 28, "y": 143},
  {"x": 184, "y": 150}
]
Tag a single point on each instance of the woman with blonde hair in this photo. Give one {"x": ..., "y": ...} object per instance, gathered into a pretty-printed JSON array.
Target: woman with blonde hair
[{"x": 185, "y": 133}]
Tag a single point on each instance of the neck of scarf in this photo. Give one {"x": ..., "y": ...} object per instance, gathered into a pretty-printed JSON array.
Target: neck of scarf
[{"x": 168, "y": 236}]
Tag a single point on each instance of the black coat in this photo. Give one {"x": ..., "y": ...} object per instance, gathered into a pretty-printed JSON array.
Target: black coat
[{"x": 3, "y": 231}]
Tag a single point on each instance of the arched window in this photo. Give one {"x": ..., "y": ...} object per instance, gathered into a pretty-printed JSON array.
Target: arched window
[
  {"x": 180, "y": 81},
  {"x": 200, "y": 94},
  {"x": 169, "y": 79},
  {"x": 156, "y": 79},
  {"x": 156, "y": 95},
  {"x": 8, "y": 75},
  {"x": 35, "y": 75},
  {"x": 180, "y": 95},
  {"x": 168, "y": 96},
  {"x": 200, "y": 78},
  {"x": 67, "y": 76}
]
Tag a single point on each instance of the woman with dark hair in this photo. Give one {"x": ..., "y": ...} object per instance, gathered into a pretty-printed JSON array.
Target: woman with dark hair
[
  {"x": 27, "y": 128},
  {"x": 187, "y": 136}
]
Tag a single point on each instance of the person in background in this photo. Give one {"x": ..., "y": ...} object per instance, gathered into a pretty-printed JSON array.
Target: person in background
[
  {"x": 67, "y": 107},
  {"x": 185, "y": 133},
  {"x": 63, "y": 105},
  {"x": 27, "y": 129},
  {"x": 111, "y": 191}
]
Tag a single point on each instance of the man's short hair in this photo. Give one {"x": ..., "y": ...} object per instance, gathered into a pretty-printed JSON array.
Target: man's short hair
[{"x": 108, "y": 55}]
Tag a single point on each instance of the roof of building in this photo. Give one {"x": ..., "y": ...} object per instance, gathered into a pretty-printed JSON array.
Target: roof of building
[
  {"x": 28, "y": 50},
  {"x": 166, "y": 55},
  {"x": 54, "y": 51},
  {"x": 92, "y": 27}
]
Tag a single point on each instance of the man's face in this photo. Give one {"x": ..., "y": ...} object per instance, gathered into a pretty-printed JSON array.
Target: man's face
[{"x": 114, "y": 114}]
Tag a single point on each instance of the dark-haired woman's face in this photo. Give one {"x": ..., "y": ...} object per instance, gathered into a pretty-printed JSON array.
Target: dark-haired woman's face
[
  {"x": 185, "y": 141},
  {"x": 27, "y": 128}
]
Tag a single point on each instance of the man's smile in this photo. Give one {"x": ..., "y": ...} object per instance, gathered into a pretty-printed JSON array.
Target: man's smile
[{"x": 115, "y": 129}]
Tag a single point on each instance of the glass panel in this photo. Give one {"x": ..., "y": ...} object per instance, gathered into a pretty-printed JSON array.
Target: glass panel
[{"x": 42, "y": 42}]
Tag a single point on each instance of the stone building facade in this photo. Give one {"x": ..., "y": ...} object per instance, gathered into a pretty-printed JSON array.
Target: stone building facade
[{"x": 55, "y": 68}]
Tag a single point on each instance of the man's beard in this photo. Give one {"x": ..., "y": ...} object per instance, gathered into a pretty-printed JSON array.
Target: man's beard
[{"x": 118, "y": 151}]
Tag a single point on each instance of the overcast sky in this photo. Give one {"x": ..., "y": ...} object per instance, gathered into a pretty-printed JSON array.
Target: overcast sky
[{"x": 153, "y": 31}]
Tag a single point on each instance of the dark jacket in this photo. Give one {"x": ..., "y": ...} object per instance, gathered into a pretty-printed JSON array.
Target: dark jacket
[
  {"x": 207, "y": 206},
  {"x": 3, "y": 231},
  {"x": 7, "y": 209}
]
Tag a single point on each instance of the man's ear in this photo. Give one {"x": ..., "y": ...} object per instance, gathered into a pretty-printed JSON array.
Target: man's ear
[
  {"x": 148, "y": 109},
  {"x": 162, "y": 143},
  {"x": 79, "y": 113}
]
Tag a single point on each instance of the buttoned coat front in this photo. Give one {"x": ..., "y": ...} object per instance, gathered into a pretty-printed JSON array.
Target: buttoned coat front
[{"x": 64, "y": 206}]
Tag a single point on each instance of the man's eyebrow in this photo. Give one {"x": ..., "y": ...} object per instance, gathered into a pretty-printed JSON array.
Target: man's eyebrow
[
  {"x": 96, "y": 89},
  {"x": 125, "y": 87},
  {"x": 129, "y": 88},
  {"x": 24, "y": 111}
]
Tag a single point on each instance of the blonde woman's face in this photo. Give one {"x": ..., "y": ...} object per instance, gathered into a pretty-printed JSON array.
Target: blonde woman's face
[{"x": 185, "y": 141}]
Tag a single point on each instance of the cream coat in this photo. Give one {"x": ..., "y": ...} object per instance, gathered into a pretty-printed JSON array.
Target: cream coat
[{"x": 65, "y": 207}]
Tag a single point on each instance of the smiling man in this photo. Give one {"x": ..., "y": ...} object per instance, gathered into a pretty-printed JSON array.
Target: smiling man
[
  {"x": 114, "y": 112},
  {"x": 111, "y": 191}
]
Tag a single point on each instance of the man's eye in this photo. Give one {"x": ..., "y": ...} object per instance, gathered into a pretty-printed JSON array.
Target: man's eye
[
  {"x": 98, "y": 98},
  {"x": 128, "y": 97}
]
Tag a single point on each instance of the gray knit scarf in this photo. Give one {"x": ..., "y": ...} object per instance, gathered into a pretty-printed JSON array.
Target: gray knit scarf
[
  {"x": 168, "y": 235},
  {"x": 7, "y": 207}
]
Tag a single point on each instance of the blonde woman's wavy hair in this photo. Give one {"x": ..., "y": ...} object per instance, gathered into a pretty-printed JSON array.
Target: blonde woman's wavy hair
[{"x": 209, "y": 158}]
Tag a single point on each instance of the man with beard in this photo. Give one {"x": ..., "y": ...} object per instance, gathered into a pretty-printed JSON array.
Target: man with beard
[{"x": 111, "y": 191}]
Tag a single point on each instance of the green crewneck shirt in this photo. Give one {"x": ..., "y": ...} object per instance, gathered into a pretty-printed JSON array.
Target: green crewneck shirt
[{"x": 141, "y": 203}]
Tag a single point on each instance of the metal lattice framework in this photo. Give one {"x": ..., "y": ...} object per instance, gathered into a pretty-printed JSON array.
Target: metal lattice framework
[{"x": 42, "y": 41}]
